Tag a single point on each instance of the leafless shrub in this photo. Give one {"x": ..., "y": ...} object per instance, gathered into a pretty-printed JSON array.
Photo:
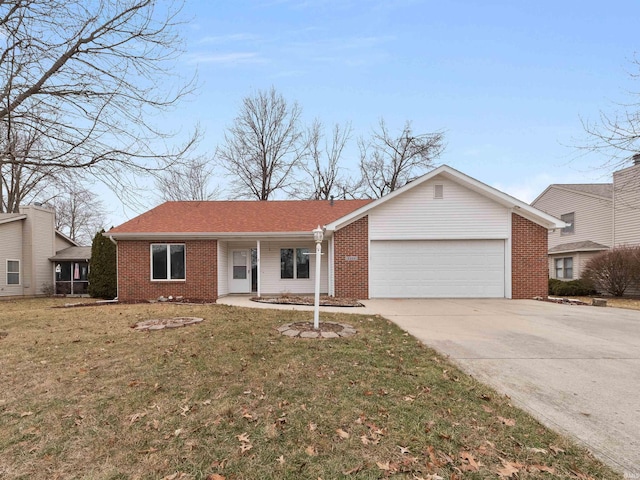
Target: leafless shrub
[{"x": 615, "y": 270}]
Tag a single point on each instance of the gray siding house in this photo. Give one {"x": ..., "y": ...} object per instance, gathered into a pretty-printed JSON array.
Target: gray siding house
[
  {"x": 36, "y": 259},
  {"x": 601, "y": 216}
]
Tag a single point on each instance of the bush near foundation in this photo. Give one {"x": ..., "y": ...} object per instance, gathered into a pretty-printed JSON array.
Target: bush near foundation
[
  {"x": 573, "y": 288},
  {"x": 103, "y": 281},
  {"x": 615, "y": 270}
]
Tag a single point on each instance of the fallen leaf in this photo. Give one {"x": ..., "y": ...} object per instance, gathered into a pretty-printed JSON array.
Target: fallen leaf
[
  {"x": 243, "y": 438},
  {"x": 409, "y": 398},
  {"x": 509, "y": 469},
  {"x": 555, "y": 449},
  {"x": 342, "y": 434},
  {"x": 536, "y": 450},
  {"x": 509, "y": 422},
  {"x": 384, "y": 466},
  {"x": 245, "y": 447},
  {"x": 280, "y": 460},
  {"x": 472, "y": 464},
  {"x": 313, "y": 427},
  {"x": 541, "y": 468},
  {"x": 215, "y": 476},
  {"x": 487, "y": 409},
  {"x": 25, "y": 414},
  {"x": 208, "y": 402},
  {"x": 177, "y": 432},
  {"x": 310, "y": 450},
  {"x": 136, "y": 416},
  {"x": 403, "y": 450},
  {"x": 364, "y": 440}
]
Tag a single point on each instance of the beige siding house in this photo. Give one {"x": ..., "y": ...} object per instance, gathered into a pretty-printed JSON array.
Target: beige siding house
[
  {"x": 588, "y": 208},
  {"x": 626, "y": 212},
  {"x": 602, "y": 215},
  {"x": 29, "y": 244}
]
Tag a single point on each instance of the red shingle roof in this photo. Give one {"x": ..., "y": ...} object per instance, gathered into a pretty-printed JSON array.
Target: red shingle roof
[{"x": 239, "y": 216}]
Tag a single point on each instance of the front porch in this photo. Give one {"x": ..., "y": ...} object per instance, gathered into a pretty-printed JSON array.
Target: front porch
[{"x": 272, "y": 266}]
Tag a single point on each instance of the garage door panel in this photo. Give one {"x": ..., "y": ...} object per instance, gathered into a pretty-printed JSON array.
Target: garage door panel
[{"x": 437, "y": 268}]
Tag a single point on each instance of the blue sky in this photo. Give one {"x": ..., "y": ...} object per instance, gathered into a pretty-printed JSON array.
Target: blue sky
[{"x": 508, "y": 81}]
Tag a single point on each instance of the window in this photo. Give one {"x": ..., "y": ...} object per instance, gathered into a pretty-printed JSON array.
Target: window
[
  {"x": 13, "y": 272},
  {"x": 167, "y": 261},
  {"x": 438, "y": 191},
  {"x": 570, "y": 219},
  {"x": 294, "y": 263},
  {"x": 564, "y": 267}
]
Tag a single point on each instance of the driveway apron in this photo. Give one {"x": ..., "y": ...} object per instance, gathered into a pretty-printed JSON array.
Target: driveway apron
[{"x": 575, "y": 368}]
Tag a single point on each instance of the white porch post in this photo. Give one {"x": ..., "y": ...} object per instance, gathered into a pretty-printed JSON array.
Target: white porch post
[
  {"x": 317, "y": 236},
  {"x": 258, "y": 266}
]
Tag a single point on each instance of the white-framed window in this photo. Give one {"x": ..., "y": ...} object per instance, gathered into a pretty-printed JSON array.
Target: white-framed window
[
  {"x": 294, "y": 263},
  {"x": 13, "y": 272},
  {"x": 564, "y": 267},
  {"x": 168, "y": 261},
  {"x": 570, "y": 219}
]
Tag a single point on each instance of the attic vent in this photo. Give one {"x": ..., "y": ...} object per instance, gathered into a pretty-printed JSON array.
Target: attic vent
[{"x": 438, "y": 191}]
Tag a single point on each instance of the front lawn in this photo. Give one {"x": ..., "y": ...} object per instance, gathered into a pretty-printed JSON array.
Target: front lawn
[{"x": 85, "y": 396}]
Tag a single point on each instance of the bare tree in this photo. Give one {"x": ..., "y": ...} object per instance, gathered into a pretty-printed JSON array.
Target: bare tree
[
  {"x": 21, "y": 181},
  {"x": 616, "y": 135},
  {"x": 79, "y": 213},
  {"x": 388, "y": 163},
  {"x": 324, "y": 157},
  {"x": 189, "y": 180},
  {"x": 264, "y": 147},
  {"x": 86, "y": 78}
]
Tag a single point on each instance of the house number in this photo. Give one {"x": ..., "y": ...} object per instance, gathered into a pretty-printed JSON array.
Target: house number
[{"x": 351, "y": 258}]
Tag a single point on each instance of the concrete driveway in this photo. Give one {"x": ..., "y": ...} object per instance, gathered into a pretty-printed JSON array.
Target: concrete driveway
[{"x": 575, "y": 368}]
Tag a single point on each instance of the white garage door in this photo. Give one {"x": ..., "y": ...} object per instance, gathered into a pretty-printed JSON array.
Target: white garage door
[{"x": 437, "y": 268}]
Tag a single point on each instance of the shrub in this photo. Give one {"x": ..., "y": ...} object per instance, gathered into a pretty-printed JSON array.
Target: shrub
[
  {"x": 615, "y": 270},
  {"x": 573, "y": 288},
  {"x": 102, "y": 275}
]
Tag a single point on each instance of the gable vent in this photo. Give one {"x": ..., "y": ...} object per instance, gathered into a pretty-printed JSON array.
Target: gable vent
[{"x": 438, "y": 191}]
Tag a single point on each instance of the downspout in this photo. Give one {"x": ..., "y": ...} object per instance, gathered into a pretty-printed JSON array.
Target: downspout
[{"x": 117, "y": 282}]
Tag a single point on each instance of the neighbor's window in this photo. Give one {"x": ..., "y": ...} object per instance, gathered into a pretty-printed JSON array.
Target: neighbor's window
[
  {"x": 13, "y": 272},
  {"x": 294, "y": 263},
  {"x": 570, "y": 219},
  {"x": 564, "y": 267},
  {"x": 167, "y": 261}
]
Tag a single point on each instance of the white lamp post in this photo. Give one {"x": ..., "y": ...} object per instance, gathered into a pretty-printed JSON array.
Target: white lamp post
[{"x": 318, "y": 234}]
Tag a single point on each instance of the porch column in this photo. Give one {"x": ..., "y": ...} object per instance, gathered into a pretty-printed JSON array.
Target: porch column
[{"x": 258, "y": 266}]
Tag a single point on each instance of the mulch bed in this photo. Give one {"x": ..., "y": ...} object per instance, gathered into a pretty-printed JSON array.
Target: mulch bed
[
  {"x": 301, "y": 300},
  {"x": 325, "y": 330}
]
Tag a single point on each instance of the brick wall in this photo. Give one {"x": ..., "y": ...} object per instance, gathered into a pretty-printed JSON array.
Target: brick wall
[
  {"x": 529, "y": 262},
  {"x": 134, "y": 272},
  {"x": 351, "y": 275}
]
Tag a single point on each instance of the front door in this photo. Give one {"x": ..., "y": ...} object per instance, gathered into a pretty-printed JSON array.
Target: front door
[{"x": 240, "y": 271}]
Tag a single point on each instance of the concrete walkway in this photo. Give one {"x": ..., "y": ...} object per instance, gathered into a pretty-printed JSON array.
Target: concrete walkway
[{"x": 575, "y": 368}]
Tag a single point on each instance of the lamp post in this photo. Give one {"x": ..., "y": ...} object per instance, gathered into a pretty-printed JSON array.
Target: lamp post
[{"x": 318, "y": 234}]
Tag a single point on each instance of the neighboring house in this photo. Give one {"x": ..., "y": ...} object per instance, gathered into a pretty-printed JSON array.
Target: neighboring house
[
  {"x": 32, "y": 251},
  {"x": 600, "y": 216},
  {"x": 443, "y": 235}
]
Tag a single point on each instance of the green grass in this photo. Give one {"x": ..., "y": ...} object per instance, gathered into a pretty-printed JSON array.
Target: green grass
[{"x": 85, "y": 396}]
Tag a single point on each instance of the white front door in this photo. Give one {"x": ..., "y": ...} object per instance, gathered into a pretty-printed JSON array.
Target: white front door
[{"x": 240, "y": 271}]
